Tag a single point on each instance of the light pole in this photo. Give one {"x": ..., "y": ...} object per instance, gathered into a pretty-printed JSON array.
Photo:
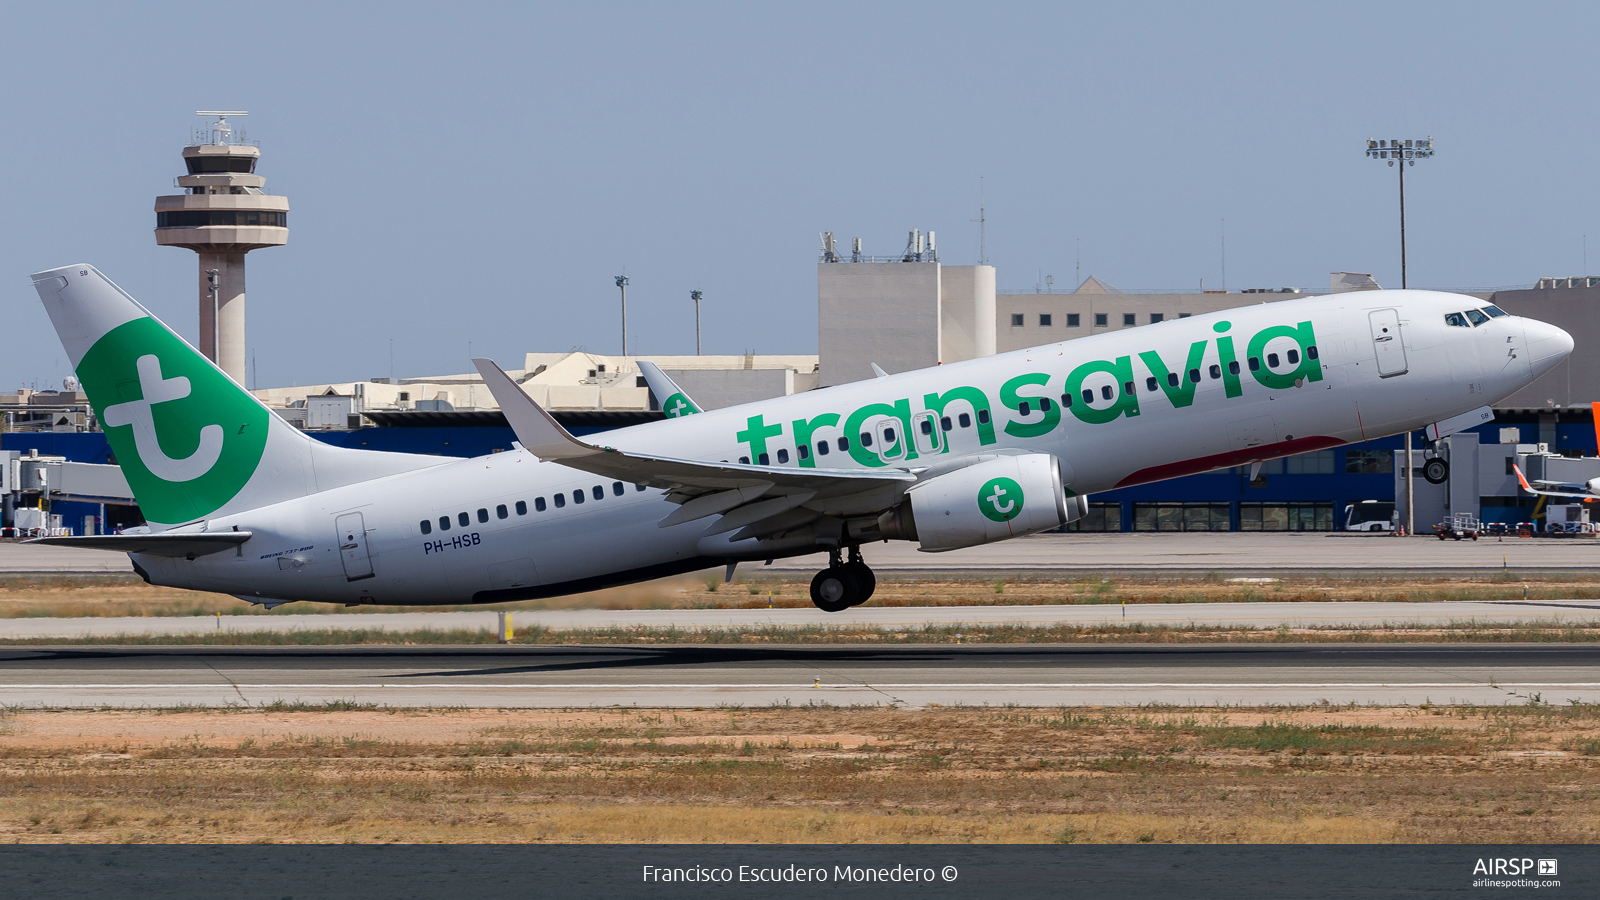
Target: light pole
[
  {"x": 695, "y": 296},
  {"x": 622, "y": 285},
  {"x": 1406, "y": 153},
  {"x": 216, "y": 329}
]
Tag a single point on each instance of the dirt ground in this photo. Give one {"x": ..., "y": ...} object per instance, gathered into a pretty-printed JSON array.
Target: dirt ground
[
  {"x": 126, "y": 595},
  {"x": 1523, "y": 774}
]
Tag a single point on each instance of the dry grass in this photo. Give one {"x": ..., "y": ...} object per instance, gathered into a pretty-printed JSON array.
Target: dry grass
[
  {"x": 126, "y": 595},
  {"x": 341, "y": 774}
]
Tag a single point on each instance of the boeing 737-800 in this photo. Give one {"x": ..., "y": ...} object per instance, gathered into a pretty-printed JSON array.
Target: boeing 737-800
[{"x": 239, "y": 501}]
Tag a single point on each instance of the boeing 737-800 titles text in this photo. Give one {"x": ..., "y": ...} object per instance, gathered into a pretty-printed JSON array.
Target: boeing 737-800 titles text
[{"x": 241, "y": 502}]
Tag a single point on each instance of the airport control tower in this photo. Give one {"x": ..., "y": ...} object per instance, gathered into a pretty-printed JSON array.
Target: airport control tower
[{"x": 222, "y": 214}]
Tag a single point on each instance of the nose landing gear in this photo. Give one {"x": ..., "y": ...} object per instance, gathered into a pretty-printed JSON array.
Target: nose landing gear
[{"x": 843, "y": 584}]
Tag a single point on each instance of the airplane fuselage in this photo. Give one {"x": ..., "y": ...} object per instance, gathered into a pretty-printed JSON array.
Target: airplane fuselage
[{"x": 1120, "y": 408}]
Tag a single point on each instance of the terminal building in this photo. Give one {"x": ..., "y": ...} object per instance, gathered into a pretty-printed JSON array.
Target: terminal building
[{"x": 899, "y": 312}]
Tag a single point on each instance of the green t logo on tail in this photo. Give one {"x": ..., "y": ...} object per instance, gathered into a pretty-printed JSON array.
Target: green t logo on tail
[
  {"x": 186, "y": 436},
  {"x": 678, "y": 405},
  {"x": 1000, "y": 499}
]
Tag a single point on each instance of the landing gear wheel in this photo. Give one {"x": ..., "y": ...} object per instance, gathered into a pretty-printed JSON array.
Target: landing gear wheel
[
  {"x": 1436, "y": 470},
  {"x": 866, "y": 582},
  {"x": 834, "y": 589}
]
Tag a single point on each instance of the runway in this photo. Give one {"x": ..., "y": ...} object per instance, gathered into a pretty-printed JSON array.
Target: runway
[
  {"x": 1069, "y": 554},
  {"x": 1226, "y": 615},
  {"x": 908, "y": 676}
]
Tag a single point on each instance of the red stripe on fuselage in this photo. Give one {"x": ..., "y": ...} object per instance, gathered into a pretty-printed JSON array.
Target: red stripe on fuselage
[{"x": 1231, "y": 458}]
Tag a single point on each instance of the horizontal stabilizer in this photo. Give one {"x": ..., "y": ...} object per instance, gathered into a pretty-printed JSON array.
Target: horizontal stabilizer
[{"x": 167, "y": 543}]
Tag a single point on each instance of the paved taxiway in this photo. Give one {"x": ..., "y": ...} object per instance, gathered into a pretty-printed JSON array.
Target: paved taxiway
[
  {"x": 1229, "y": 615},
  {"x": 1266, "y": 553},
  {"x": 914, "y": 676}
]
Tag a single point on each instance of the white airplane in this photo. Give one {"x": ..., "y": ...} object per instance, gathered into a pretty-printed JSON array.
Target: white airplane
[
  {"x": 238, "y": 501},
  {"x": 1587, "y": 491}
]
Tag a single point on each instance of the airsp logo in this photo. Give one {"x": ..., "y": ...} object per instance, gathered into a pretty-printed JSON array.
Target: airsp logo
[
  {"x": 1000, "y": 499},
  {"x": 678, "y": 406},
  {"x": 186, "y": 437}
]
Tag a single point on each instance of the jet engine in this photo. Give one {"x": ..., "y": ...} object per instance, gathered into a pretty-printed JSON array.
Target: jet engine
[{"x": 993, "y": 500}]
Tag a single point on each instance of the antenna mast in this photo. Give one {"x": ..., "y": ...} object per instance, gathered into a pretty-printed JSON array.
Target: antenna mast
[{"x": 983, "y": 249}]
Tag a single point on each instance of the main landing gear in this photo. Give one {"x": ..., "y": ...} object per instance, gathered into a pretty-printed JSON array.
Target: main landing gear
[{"x": 843, "y": 584}]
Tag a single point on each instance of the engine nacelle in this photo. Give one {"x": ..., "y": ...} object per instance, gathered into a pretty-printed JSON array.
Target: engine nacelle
[{"x": 993, "y": 500}]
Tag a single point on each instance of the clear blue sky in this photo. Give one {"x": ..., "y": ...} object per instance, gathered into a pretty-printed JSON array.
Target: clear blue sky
[{"x": 479, "y": 172}]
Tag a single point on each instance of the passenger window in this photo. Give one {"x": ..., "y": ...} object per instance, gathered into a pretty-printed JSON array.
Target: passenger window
[
  {"x": 1456, "y": 319},
  {"x": 1106, "y": 392},
  {"x": 577, "y": 496},
  {"x": 983, "y": 417},
  {"x": 1293, "y": 356},
  {"x": 617, "y": 488},
  {"x": 783, "y": 456},
  {"x": 483, "y": 515},
  {"x": 1066, "y": 400},
  {"x": 1216, "y": 371},
  {"x": 866, "y": 439},
  {"x": 945, "y": 423},
  {"x": 464, "y": 519},
  {"x": 822, "y": 448},
  {"x": 1172, "y": 380},
  {"x": 927, "y": 426},
  {"x": 561, "y": 500},
  {"x": 1272, "y": 360},
  {"x": 1127, "y": 388},
  {"x": 744, "y": 460},
  {"x": 599, "y": 492},
  {"x": 538, "y": 504},
  {"x": 522, "y": 506},
  {"x": 764, "y": 459},
  {"x": 1495, "y": 312},
  {"x": 1255, "y": 364},
  {"x": 444, "y": 523},
  {"x": 802, "y": 451},
  {"x": 427, "y": 527},
  {"x": 638, "y": 487},
  {"x": 1311, "y": 352},
  {"x": 501, "y": 511},
  {"x": 964, "y": 420},
  {"x": 1233, "y": 367},
  {"x": 1024, "y": 409},
  {"x": 1194, "y": 376},
  {"x": 1477, "y": 317},
  {"x": 1044, "y": 404},
  {"x": 844, "y": 444},
  {"x": 888, "y": 435}
]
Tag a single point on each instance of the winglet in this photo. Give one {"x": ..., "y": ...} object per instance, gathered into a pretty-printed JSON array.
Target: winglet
[
  {"x": 674, "y": 402},
  {"x": 878, "y": 371},
  {"x": 1518, "y": 470},
  {"x": 538, "y": 433}
]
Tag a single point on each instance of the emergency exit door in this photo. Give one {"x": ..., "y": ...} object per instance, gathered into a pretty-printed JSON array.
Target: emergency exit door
[
  {"x": 1386, "y": 340},
  {"x": 353, "y": 546}
]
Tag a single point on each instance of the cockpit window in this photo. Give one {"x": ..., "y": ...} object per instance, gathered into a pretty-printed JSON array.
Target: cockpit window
[
  {"x": 1495, "y": 312},
  {"x": 1456, "y": 319},
  {"x": 1477, "y": 318}
]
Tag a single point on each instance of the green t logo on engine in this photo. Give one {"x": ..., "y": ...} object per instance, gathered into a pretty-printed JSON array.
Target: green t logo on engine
[
  {"x": 187, "y": 438},
  {"x": 1000, "y": 499}
]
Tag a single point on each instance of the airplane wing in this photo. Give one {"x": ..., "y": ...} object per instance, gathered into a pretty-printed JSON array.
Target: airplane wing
[
  {"x": 187, "y": 544},
  {"x": 744, "y": 495},
  {"x": 1553, "y": 488},
  {"x": 674, "y": 402}
]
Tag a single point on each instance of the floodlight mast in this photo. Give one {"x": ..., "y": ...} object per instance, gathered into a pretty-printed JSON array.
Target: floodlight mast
[
  {"x": 1406, "y": 153},
  {"x": 695, "y": 296},
  {"x": 622, "y": 285}
]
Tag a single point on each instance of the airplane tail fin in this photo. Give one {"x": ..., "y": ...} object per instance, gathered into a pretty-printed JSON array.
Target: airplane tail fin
[
  {"x": 1518, "y": 469},
  {"x": 1595, "y": 409},
  {"x": 674, "y": 402},
  {"x": 191, "y": 441}
]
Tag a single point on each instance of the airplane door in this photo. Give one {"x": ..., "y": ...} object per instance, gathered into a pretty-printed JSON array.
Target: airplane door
[
  {"x": 890, "y": 444},
  {"x": 925, "y": 429},
  {"x": 1386, "y": 339},
  {"x": 352, "y": 536}
]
